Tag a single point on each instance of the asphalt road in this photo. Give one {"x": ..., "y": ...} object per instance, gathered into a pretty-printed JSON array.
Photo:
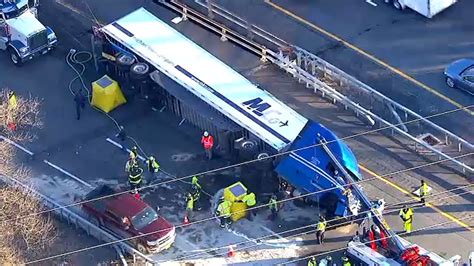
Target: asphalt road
[
  {"x": 80, "y": 146},
  {"x": 413, "y": 45}
]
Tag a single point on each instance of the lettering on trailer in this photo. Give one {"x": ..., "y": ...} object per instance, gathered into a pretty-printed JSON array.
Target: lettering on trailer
[
  {"x": 255, "y": 104},
  {"x": 261, "y": 108}
]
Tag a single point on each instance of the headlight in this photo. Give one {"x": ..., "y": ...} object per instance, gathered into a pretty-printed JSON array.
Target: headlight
[
  {"x": 152, "y": 243},
  {"x": 51, "y": 37},
  {"x": 23, "y": 50}
]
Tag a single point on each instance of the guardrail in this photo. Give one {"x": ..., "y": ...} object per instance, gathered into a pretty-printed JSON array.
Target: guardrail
[
  {"x": 80, "y": 222},
  {"x": 324, "y": 78}
]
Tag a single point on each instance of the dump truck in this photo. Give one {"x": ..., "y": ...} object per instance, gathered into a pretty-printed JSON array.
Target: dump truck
[
  {"x": 22, "y": 35},
  {"x": 129, "y": 218},
  {"x": 247, "y": 121}
]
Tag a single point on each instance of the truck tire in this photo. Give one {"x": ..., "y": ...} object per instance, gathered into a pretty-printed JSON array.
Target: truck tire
[
  {"x": 15, "y": 57},
  {"x": 142, "y": 248},
  {"x": 139, "y": 71},
  {"x": 265, "y": 161},
  {"x": 248, "y": 149},
  {"x": 124, "y": 62}
]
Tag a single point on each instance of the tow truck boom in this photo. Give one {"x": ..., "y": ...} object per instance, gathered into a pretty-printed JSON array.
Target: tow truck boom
[{"x": 355, "y": 188}]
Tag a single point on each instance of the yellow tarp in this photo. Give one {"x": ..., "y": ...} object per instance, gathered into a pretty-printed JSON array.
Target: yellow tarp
[
  {"x": 234, "y": 193},
  {"x": 106, "y": 94}
]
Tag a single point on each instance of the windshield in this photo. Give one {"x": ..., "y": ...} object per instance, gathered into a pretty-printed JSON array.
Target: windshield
[
  {"x": 144, "y": 218},
  {"x": 469, "y": 71},
  {"x": 16, "y": 13}
]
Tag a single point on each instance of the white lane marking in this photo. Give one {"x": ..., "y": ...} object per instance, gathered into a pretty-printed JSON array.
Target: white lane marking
[
  {"x": 370, "y": 2},
  {"x": 68, "y": 174},
  {"x": 17, "y": 145},
  {"x": 121, "y": 147}
]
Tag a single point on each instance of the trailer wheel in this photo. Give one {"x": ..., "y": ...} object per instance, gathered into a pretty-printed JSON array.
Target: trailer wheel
[
  {"x": 15, "y": 57},
  {"x": 248, "y": 149},
  {"x": 125, "y": 60},
  {"x": 139, "y": 70},
  {"x": 265, "y": 161}
]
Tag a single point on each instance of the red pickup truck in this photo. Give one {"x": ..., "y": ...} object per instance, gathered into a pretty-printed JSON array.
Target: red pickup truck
[{"x": 129, "y": 217}]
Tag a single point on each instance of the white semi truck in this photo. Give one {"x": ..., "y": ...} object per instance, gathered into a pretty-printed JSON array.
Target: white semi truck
[
  {"x": 427, "y": 8},
  {"x": 22, "y": 35}
]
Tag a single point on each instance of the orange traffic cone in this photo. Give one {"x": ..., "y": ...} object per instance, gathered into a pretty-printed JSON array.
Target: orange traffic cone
[
  {"x": 231, "y": 252},
  {"x": 186, "y": 220}
]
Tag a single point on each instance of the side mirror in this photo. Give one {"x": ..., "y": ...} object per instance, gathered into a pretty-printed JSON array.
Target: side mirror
[{"x": 34, "y": 10}]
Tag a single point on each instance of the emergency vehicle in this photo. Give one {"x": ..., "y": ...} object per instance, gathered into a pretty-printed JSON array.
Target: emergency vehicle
[
  {"x": 22, "y": 35},
  {"x": 245, "y": 119}
]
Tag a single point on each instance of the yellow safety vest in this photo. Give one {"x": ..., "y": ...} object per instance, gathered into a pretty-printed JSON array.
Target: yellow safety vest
[
  {"x": 312, "y": 262},
  {"x": 224, "y": 208},
  {"x": 321, "y": 226},
  {"x": 424, "y": 190},
  {"x": 407, "y": 216},
  {"x": 249, "y": 199},
  {"x": 12, "y": 102},
  {"x": 153, "y": 166},
  {"x": 190, "y": 203},
  {"x": 273, "y": 204}
]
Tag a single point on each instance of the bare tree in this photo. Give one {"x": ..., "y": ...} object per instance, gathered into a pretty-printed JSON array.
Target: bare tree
[
  {"x": 22, "y": 236},
  {"x": 20, "y": 120}
]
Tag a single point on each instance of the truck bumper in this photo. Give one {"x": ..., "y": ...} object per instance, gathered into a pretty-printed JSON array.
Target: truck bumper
[
  {"x": 40, "y": 51},
  {"x": 163, "y": 245}
]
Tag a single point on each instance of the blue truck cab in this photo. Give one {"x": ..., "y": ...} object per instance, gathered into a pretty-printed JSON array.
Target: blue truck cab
[
  {"x": 310, "y": 170},
  {"x": 21, "y": 33}
]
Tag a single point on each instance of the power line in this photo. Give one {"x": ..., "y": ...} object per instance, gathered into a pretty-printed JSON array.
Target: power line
[
  {"x": 328, "y": 221},
  {"x": 467, "y": 217},
  {"x": 182, "y": 225},
  {"x": 244, "y": 163},
  {"x": 329, "y": 226}
]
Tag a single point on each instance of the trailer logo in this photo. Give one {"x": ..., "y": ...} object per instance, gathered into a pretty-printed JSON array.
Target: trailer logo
[{"x": 262, "y": 109}]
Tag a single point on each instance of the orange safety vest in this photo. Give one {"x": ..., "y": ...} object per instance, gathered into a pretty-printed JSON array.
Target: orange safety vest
[{"x": 208, "y": 142}]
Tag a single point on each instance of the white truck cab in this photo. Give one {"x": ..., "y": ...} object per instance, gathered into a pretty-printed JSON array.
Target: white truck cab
[{"x": 21, "y": 33}]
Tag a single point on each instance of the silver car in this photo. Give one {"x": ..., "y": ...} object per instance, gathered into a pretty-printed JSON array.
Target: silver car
[{"x": 460, "y": 74}]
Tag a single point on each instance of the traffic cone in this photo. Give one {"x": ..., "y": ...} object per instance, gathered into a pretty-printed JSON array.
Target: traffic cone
[
  {"x": 231, "y": 252},
  {"x": 186, "y": 220}
]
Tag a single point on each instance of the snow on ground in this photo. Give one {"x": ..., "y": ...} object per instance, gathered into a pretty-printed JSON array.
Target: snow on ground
[{"x": 63, "y": 190}]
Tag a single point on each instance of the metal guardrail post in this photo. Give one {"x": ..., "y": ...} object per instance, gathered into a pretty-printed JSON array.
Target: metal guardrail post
[
  {"x": 209, "y": 9},
  {"x": 223, "y": 35}
]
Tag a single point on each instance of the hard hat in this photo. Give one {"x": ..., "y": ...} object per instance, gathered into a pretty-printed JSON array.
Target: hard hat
[
  {"x": 152, "y": 158},
  {"x": 206, "y": 133},
  {"x": 135, "y": 191},
  {"x": 345, "y": 258},
  {"x": 134, "y": 148}
]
